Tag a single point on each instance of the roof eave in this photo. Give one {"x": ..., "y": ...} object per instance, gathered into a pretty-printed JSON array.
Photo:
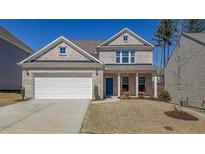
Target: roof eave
[
  {"x": 124, "y": 30},
  {"x": 58, "y": 39}
]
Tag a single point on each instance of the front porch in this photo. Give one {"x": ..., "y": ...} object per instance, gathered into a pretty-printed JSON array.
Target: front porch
[{"x": 115, "y": 84}]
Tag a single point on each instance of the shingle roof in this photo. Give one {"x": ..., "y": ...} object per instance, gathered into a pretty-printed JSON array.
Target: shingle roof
[
  {"x": 200, "y": 37},
  {"x": 88, "y": 45},
  {"x": 4, "y": 34}
]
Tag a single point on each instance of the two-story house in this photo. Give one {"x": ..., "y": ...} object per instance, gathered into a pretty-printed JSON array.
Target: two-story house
[
  {"x": 187, "y": 65},
  {"x": 12, "y": 51},
  {"x": 67, "y": 69}
]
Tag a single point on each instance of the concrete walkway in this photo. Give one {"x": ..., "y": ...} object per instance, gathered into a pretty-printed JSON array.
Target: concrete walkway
[
  {"x": 43, "y": 116},
  {"x": 107, "y": 100}
]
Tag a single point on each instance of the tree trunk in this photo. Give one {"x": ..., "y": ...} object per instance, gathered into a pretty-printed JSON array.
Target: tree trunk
[
  {"x": 161, "y": 59},
  {"x": 167, "y": 53},
  {"x": 157, "y": 56},
  {"x": 164, "y": 54},
  {"x": 179, "y": 85}
]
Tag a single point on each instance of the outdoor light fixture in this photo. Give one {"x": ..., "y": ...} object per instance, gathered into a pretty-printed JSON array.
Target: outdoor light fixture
[{"x": 27, "y": 73}]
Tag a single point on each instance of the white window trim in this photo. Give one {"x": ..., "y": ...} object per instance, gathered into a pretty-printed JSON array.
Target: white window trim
[
  {"x": 126, "y": 56},
  {"x": 62, "y": 54},
  {"x": 125, "y": 40},
  {"x": 120, "y": 57},
  {"x": 129, "y": 57},
  {"x": 117, "y": 57}
]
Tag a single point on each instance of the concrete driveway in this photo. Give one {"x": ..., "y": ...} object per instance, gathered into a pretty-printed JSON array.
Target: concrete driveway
[{"x": 43, "y": 116}]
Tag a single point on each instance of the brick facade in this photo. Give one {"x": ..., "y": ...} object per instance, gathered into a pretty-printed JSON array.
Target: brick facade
[
  {"x": 28, "y": 79},
  {"x": 132, "y": 83}
]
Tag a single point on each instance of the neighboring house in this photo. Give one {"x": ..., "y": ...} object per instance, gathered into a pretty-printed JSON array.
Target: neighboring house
[
  {"x": 12, "y": 51},
  {"x": 67, "y": 69},
  {"x": 191, "y": 66}
]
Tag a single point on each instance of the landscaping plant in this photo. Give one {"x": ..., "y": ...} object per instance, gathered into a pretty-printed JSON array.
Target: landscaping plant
[
  {"x": 23, "y": 93},
  {"x": 164, "y": 96},
  {"x": 96, "y": 92}
]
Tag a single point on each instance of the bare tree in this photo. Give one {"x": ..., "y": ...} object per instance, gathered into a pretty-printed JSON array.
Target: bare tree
[{"x": 178, "y": 60}]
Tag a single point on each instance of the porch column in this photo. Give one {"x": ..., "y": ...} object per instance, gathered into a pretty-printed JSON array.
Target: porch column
[
  {"x": 155, "y": 86},
  {"x": 137, "y": 85},
  {"x": 118, "y": 83}
]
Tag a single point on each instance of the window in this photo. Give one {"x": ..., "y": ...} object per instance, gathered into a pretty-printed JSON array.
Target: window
[
  {"x": 125, "y": 84},
  {"x": 142, "y": 84},
  {"x": 125, "y": 38},
  {"x": 117, "y": 56},
  {"x": 62, "y": 51},
  {"x": 125, "y": 56},
  {"x": 132, "y": 60}
]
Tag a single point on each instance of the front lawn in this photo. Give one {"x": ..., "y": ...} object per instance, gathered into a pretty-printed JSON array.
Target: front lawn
[
  {"x": 138, "y": 116},
  {"x": 9, "y": 97}
]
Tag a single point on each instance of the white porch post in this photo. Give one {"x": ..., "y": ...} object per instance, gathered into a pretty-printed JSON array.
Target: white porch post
[
  {"x": 118, "y": 79},
  {"x": 155, "y": 86},
  {"x": 137, "y": 85}
]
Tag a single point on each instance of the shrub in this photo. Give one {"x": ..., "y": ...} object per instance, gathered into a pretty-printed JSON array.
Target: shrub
[
  {"x": 96, "y": 92},
  {"x": 23, "y": 93},
  {"x": 164, "y": 96}
]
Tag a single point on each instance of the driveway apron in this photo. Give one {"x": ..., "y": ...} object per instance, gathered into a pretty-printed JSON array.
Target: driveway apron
[{"x": 43, "y": 116}]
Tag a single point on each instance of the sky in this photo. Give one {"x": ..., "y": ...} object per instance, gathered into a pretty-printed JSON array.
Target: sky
[{"x": 38, "y": 33}]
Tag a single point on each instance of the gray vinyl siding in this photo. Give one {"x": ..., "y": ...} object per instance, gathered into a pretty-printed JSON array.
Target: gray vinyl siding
[
  {"x": 10, "y": 72},
  {"x": 193, "y": 73}
]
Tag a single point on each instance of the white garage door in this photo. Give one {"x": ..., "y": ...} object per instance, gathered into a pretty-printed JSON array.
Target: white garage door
[{"x": 63, "y": 87}]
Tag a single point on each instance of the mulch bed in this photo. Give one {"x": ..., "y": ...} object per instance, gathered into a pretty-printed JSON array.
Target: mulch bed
[{"x": 181, "y": 115}]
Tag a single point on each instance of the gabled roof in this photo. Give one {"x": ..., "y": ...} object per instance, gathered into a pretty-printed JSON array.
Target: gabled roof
[
  {"x": 198, "y": 37},
  {"x": 88, "y": 45},
  {"x": 125, "y": 30},
  {"x": 5, "y": 35},
  {"x": 54, "y": 43}
]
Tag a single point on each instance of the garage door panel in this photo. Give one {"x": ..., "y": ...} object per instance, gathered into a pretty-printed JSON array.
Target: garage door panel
[{"x": 63, "y": 87}]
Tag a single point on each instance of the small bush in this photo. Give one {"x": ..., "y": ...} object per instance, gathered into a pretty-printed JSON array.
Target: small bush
[
  {"x": 164, "y": 96},
  {"x": 23, "y": 93},
  {"x": 96, "y": 92}
]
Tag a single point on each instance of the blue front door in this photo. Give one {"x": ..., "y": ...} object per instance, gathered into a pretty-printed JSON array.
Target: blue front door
[{"x": 109, "y": 86}]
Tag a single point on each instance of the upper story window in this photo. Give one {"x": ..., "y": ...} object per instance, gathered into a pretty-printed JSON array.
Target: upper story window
[
  {"x": 62, "y": 51},
  {"x": 132, "y": 56},
  {"x": 117, "y": 56},
  {"x": 125, "y": 56},
  {"x": 125, "y": 38}
]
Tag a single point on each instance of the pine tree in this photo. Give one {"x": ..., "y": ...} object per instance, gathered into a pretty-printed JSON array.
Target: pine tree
[
  {"x": 194, "y": 25},
  {"x": 164, "y": 37}
]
